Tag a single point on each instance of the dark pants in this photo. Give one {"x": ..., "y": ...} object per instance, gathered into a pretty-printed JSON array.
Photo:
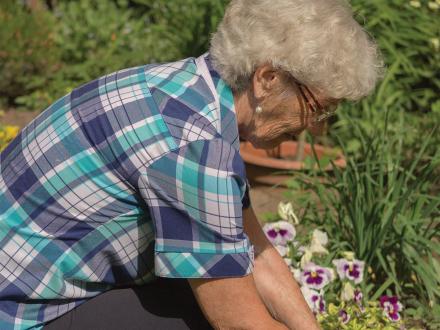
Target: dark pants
[{"x": 163, "y": 304}]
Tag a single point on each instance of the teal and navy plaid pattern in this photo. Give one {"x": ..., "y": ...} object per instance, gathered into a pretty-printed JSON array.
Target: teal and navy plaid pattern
[{"x": 134, "y": 175}]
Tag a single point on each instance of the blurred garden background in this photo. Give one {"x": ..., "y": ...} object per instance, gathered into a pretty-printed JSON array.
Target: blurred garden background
[{"x": 380, "y": 214}]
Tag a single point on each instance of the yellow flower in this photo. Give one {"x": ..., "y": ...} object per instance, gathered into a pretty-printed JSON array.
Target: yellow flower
[
  {"x": 415, "y": 4},
  {"x": 414, "y": 277},
  {"x": 435, "y": 43},
  {"x": 333, "y": 309},
  {"x": 433, "y": 5},
  {"x": 11, "y": 132}
]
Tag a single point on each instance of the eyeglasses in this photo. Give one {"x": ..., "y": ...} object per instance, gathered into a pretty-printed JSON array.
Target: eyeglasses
[{"x": 320, "y": 113}]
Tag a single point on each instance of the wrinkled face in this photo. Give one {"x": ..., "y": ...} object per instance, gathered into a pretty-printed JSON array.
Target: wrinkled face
[{"x": 286, "y": 114}]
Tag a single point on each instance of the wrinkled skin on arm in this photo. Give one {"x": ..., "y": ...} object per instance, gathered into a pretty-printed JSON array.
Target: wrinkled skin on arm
[
  {"x": 232, "y": 303},
  {"x": 269, "y": 298}
]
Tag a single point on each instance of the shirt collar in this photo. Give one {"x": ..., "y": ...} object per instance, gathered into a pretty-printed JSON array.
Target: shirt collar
[{"x": 229, "y": 126}]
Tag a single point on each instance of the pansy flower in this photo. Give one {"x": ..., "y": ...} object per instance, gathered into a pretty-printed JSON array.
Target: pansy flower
[
  {"x": 358, "y": 296},
  {"x": 283, "y": 250},
  {"x": 344, "y": 316},
  {"x": 316, "y": 277},
  {"x": 296, "y": 273},
  {"x": 285, "y": 211},
  {"x": 319, "y": 237},
  {"x": 347, "y": 292},
  {"x": 280, "y": 232},
  {"x": 314, "y": 299},
  {"x": 391, "y": 307},
  {"x": 350, "y": 269}
]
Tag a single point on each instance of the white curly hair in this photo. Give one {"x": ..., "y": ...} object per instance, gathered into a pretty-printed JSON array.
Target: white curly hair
[{"x": 316, "y": 41}]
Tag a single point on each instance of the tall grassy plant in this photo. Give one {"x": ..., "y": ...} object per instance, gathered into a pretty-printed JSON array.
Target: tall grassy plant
[
  {"x": 383, "y": 212},
  {"x": 409, "y": 38}
]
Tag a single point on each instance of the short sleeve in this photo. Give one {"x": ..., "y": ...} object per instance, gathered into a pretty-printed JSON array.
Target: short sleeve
[{"x": 195, "y": 195}]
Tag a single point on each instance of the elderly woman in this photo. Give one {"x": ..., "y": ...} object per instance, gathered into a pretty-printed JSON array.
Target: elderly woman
[{"x": 138, "y": 174}]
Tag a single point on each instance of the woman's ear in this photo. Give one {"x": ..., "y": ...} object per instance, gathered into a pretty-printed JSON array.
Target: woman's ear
[{"x": 265, "y": 80}]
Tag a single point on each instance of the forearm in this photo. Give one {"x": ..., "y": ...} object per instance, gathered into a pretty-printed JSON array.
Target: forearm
[
  {"x": 280, "y": 292},
  {"x": 274, "y": 281}
]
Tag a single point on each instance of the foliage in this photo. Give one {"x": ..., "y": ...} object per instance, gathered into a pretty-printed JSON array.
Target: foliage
[
  {"x": 338, "y": 303},
  {"x": 371, "y": 317},
  {"x": 382, "y": 211},
  {"x": 408, "y": 34},
  {"x": 93, "y": 38},
  {"x": 183, "y": 27},
  {"x": 97, "y": 37},
  {"x": 28, "y": 54}
]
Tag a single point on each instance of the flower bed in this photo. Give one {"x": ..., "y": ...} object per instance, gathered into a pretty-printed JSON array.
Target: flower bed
[{"x": 332, "y": 283}]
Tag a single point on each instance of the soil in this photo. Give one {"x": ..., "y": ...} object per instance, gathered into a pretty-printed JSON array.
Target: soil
[
  {"x": 264, "y": 198},
  {"x": 19, "y": 118}
]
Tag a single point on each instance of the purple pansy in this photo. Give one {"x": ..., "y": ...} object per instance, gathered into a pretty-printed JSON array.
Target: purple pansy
[
  {"x": 314, "y": 299},
  {"x": 350, "y": 269},
  {"x": 358, "y": 296},
  {"x": 345, "y": 317},
  {"x": 316, "y": 277},
  {"x": 391, "y": 307},
  {"x": 280, "y": 232}
]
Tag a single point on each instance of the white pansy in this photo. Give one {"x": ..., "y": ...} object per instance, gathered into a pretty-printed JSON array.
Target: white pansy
[
  {"x": 320, "y": 237},
  {"x": 306, "y": 258},
  {"x": 296, "y": 273},
  {"x": 283, "y": 250},
  {"x": 301, "y": 249},
  {"x": 347, "y": 293},
  {"x": 288, "y": 261},
  {"x": 285, "y": 211},
  {"x": 280, "y": 232},
  {"x": 314, "y": 299},
  {"x": 317, "y": 248}
]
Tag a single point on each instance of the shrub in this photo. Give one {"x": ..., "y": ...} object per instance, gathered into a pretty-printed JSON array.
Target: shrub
[
  {"x": 182, "y": 28},
  {"x": 28, "y": 54}
]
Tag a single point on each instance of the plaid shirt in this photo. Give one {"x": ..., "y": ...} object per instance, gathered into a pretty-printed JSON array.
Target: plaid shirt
[{"x": 134, "y": 175}]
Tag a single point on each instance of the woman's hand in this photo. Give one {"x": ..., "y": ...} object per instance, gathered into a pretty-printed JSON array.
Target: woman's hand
[{"x": 274, "y": 281}]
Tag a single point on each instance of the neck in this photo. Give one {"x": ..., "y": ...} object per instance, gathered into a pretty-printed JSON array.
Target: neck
[{"x": 244, "y": 114}]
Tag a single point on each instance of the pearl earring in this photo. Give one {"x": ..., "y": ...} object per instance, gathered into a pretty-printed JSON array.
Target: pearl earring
[{"x": 259, "y": 109}]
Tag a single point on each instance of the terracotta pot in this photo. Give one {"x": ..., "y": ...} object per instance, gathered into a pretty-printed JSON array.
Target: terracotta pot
[{"x": 262, "y": 165}]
